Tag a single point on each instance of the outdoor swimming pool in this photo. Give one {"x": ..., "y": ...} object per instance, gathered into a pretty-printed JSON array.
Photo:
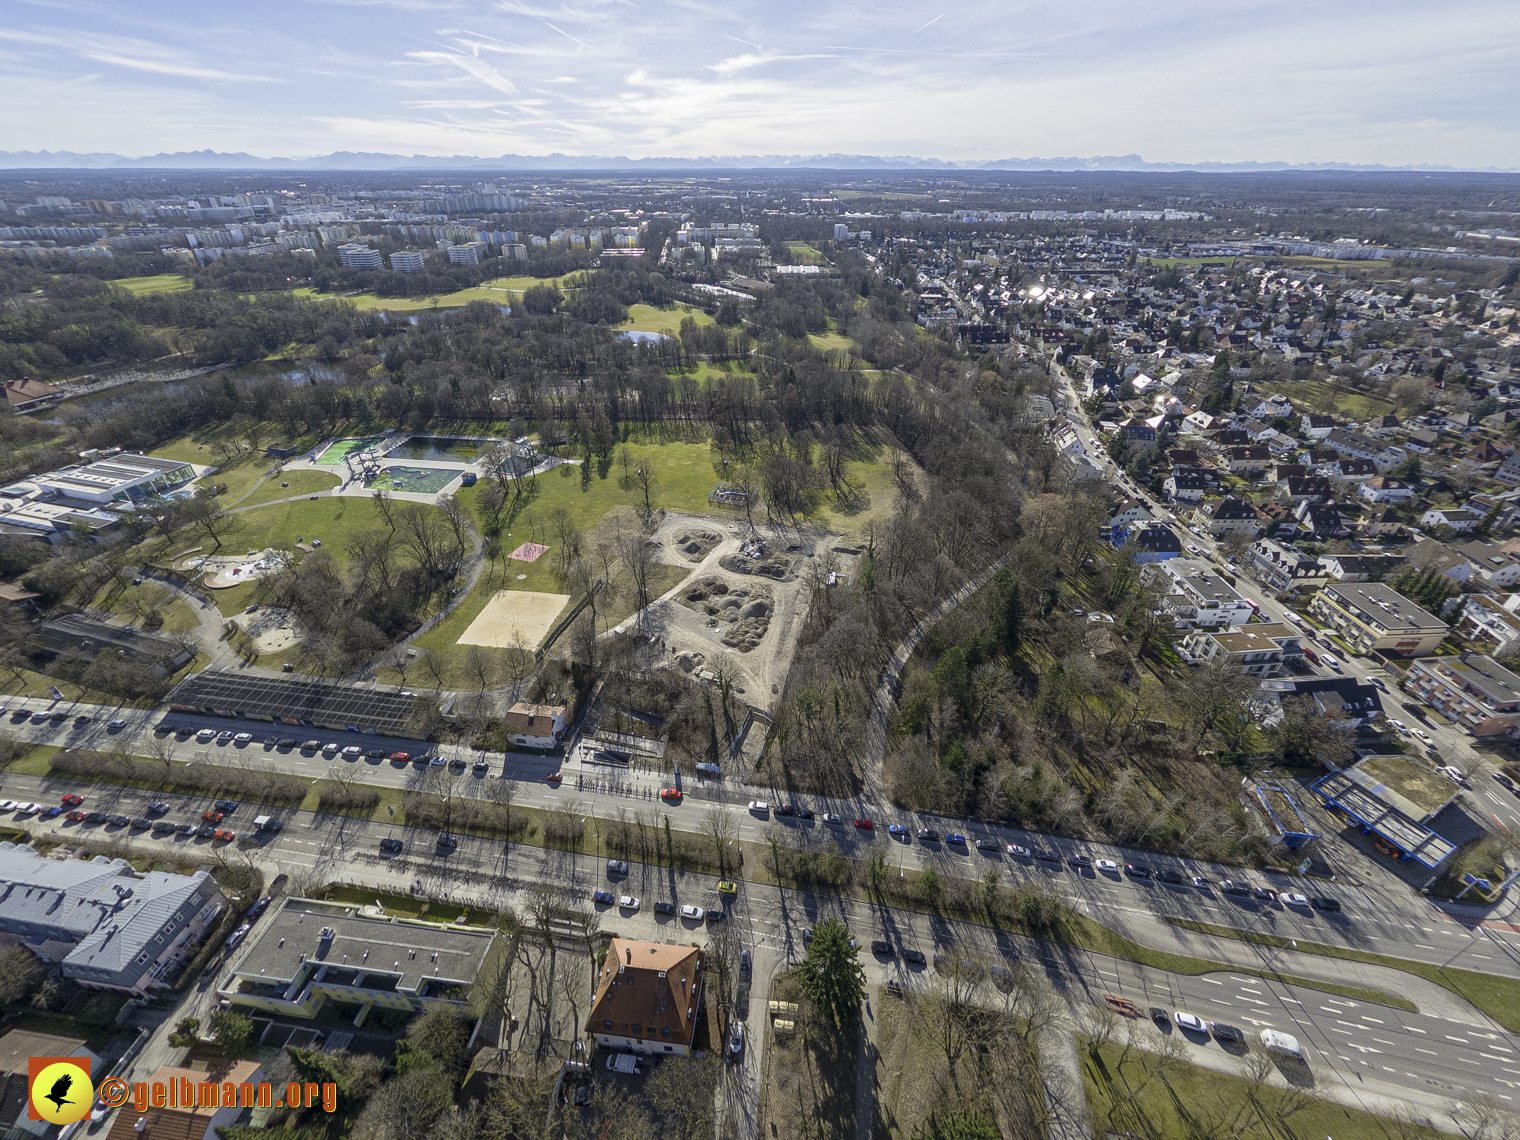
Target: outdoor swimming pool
[
  {"x": 334, "y": 454},
  {"x": 422, "y": 480},
  {"x": 441, "y": 448}
]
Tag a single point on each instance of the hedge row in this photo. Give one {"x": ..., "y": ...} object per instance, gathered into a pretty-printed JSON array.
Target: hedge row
[{"x": 253, "y": 784}]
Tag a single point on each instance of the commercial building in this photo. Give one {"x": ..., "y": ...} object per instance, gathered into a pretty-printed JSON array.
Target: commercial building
[
  {"x": 647, "y": 997},
  {"x": 122, "y": 478},
  {"x": 1370, "y": 615},
  {"x": 359, "y": 257},
  {"x": 308, "y": 953},
  {"x": 106, "y": 925},
  {"x": 1256, "y": 650},
  {"x": 1471, "y": 689},
  {"x": 1197, "y": 596},
  {"x": 408, "y": 261}
]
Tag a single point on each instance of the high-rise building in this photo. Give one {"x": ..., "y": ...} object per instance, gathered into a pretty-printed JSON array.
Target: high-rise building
[
  {"x": 841, "y": 232},
  {"x": 359, "y": 257},
  {"x": 468, "y": 254},
  {"x": 408, "y": 261}
]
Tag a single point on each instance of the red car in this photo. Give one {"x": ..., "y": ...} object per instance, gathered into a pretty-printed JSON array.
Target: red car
[
  {"x": 212, "y": 816},
  {"x": 225, "y": 836},
  {"x": 401, "y": 755},
  {"x": 76, "y": 816},
  {"x": 555, "y": 777},
  {"x": 865, "y": 824},
  {"x": 671, "y": 794},
  {"x": 73, "y": 799}
]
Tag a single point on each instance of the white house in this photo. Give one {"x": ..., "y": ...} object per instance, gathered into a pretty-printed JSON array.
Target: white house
[
  {"x": 1385, "y": 489},
  {"x": 1460, "y": 519},
  {"x": 535, "y": 726}
]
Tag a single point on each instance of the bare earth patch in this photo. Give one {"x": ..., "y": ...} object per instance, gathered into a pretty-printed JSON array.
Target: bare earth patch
[{"x": 513, "y": 616}]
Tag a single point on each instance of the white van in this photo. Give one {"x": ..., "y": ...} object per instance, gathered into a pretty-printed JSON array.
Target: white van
[
  {"x": 622, "y": 1063},
  {"x": 1284, "y": 1043}
]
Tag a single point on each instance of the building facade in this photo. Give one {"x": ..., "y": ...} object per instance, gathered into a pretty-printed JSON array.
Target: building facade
[{"x": 1370, "y": 615}]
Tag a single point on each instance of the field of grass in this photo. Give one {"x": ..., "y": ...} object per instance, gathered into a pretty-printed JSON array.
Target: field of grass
[
  {"x": 804, "y": 254},
  {"x": 831, "y": 342},
  {"x": 159, "y": 283},
  {"x": 1136, "y": 1094},
  {"x": 134, "y": 602},
  {"x": 1499, "y": 997},
  {"x": 301, "y": 483},
  {"x": 1315, "y": 393},
  {"x": 704, "y": 373},
  {"x": 647, "y": 318},
  {"x": 498, "y": 291}
]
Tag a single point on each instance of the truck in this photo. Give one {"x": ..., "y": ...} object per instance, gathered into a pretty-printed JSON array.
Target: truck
[{"x": 266, "y": 823}]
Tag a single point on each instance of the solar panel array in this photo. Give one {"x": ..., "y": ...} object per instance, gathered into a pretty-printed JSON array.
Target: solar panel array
[{"x": 294, "y": 700}]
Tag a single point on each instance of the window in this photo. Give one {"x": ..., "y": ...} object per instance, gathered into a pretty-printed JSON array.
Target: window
[
  {"x": 637, "y": 1028},
  {"x": 665, "y": 1031},
  {"x": 670, "y": 1048},
  {"x": 606, "y": 1025}
]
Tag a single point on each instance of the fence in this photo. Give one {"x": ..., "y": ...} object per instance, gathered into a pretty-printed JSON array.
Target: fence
[{"x": 564, "y": 622}]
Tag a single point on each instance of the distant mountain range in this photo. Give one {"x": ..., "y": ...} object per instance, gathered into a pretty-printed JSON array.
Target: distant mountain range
[{"x": 369, "y": 161}]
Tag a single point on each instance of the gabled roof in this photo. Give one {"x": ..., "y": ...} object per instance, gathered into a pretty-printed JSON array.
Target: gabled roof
[{"x": 652, "y": 985}]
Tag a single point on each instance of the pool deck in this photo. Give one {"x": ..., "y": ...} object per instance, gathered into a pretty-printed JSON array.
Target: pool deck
[{"x": 355, "y": 487}]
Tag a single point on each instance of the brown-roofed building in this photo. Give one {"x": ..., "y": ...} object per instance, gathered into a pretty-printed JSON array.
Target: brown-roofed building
[
  {"x": 535, "y": 726},
  {"x": 189, "y": 1121},
  {"x": 647, "y": 997},
  {"x": 16, "y": 1048},
  {"x": 28, "y": 395},
  {"x": 14, "y": 595}
]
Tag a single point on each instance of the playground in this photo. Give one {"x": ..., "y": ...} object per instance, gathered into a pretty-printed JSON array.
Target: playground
[
  {"x": 514, "y": 617},
  {"x": 226, "y": 571}
]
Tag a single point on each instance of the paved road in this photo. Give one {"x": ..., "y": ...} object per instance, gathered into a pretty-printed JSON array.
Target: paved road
[{"x": 1349, "y": 1044}]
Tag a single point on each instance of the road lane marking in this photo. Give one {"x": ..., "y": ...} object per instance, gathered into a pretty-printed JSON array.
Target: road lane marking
[
  {"x": 1365, "y": 1017},
  {"x": 1462, "y": 1040},
  {"x": 1429, "y": 1052}
]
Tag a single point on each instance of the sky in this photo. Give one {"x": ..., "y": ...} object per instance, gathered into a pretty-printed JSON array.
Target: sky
[{"x": 1394, "y": 82}]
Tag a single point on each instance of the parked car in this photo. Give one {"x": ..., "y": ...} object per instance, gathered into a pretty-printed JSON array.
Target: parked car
[
  {"x": 616, "y": 867},
  {"x": 1137, "y": 870},
  {"x": 73, "y": 799},
  {"x": 607, "y": 898},
  {"x": 838, "y": 821},
  {"x": 1190, "y": 1021},
  {"x": 141, "y": 823},
  {"x": 224, "y": 835},
  {"x": 628, "y": 902},
  {"x": 663, "y": 907},
  {"x": 228, "y": 806},
  {"x": 735, "y": 1039},
  {"x": 1325, "y": 903},
  {"x": 865, "y": 825},
  {"x": 692, "y": 912},
  {"x": 671, "y": 795},
  {"x": 1107, "y": 866},
  {"x": 1080, "y": 861},
  {"x": 76, "y": 816},
  {"x": 1293, "y": 898},
  {"x": 928, "y": 835},
  {"x": 1231, "y": 887},
  {"x": 760, "y": 807},
  {"x": 163, "y": 827},
  {"x": 1169, "y": 876},
  {"x": 883, "y": 948},
  {"x": 1223, "y": 1031}
]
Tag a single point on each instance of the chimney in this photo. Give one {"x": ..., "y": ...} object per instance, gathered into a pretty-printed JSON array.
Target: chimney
[{"x": 630, "y": 956}]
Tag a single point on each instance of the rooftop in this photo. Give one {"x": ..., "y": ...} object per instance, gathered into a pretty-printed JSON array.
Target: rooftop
[{"x": 1382, "y": 606}]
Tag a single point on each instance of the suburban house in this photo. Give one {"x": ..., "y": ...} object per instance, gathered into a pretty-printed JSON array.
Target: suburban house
[
  {"x": 1197, "y": 596},
  {"x": 1490, "y": 563},
  {"x": 1187, "y": 485},
  {"x": 647, "y": 997},
  {"x": 1484, "y": 620},
  {"x": 307, "y": 953},
  {"x": 1283, "y": 568},
  {"x": 1257, "y": 650},
  {"x": 1346, "y": 698},
  {"x": 1128, "y": 511},
  {"x": 1380, "y": 520},
  {"x": 1316, "y": 427},
  {"x": 1304, "y": 489},
  {"x": 1385, "y": 489},
  {"x": 1471, "y": 689},
  {"x": 1322, "y": 520},
  {"x": 1153, "y": 542},
  {"x": 1460, "y": 519},
  {"x": 1430, "y": 554},
  {"x": 1370, "y": 615},
  {"x": 1361, "y": 567},
  {"x": 106, "y": 925},
  {"x": 1283, "y": 471},
  {"x": 1229, "y": 516},
  {"x": 535, "y": 726},
  {"x": 1248, "y": 460},
  {"x": 1272, "y": 407},
  {"x": 1349, "y": 470},
  {"x": 1422, "y": 442},
  {"x": 1357, "y": 446},
  {"x": 1509, "y": 471}
]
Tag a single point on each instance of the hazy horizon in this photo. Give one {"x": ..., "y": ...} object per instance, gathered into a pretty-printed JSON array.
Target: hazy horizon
[{"x": 1394, "y": 84}]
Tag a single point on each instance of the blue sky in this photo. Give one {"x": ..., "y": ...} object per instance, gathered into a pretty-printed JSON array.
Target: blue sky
[{"x": 1393, "y": 82}]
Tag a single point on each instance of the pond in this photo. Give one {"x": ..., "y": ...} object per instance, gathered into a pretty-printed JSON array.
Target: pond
[{"x": 643, "y": 337}]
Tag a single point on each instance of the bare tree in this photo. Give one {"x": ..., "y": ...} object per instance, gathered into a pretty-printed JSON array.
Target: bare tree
[{"x": 721, "y": 827}]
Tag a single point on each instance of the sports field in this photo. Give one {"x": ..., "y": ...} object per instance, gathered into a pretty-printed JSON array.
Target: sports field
[{"x": 515, "y": 617}]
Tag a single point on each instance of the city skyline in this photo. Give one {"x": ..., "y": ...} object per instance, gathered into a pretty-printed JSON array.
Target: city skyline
[{"x": 1398, "y": 85}]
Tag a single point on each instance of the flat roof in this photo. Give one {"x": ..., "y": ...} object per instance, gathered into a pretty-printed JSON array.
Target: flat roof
[
  {"x": 1482, "y": 674},
  {"x": 1383, "y": 606},
  {"x": 1370, "y": 808},
  {"x": 295, "y": 700},
  {"x": 408, "y": 950}
]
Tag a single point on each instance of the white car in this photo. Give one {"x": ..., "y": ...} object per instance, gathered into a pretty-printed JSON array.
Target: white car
[
  {"x": 1455, "y": 775},
  {"x": 1293, "y": 617},
  {"x": 1326, "y": 659},
  {"x": 110, "y": 724},
  {"x": 206, "y": 734},
  {"x": 1398, "y": 724},
  {"x": 693, "y": 912},
  {"x": 24, "y": 808},
  {"x": 616, "y": 867},
  {"x": 628, "y": 902},
  {"x": 1107, "y": 865},
  {"x": 8, "y": 805},
  {"x": 1190, "y": 1021},
  {"x": 353, "y": 750},
  {"x": 1192, "y": 549},
  {"x": 1423, "y": 735},
  {"x": 759, "y": 807},
  {"x": 330, "y": 746},
  {"x": 242, "y": 738},
  {"x": 1292, "y": 898}
]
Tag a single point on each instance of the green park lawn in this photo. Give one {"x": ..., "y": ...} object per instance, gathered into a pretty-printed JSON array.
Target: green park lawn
[
  {"x": 647, "y": 318},
  {"x": 301, "y": 483},
  {"x": 498, "y": 291},
  {"x": 158, "y": 283},
  {"x": 804, "y": 254}
]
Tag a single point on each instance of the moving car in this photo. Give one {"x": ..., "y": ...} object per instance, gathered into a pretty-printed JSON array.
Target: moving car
[
  {"x": 447, "y": 842},
  {"x": 1231, "y": 887},
  {"x": 915, "y": 957},
  {"x": 617, "y": 867},
  {"x": 73, "y": 799},
  {"x": 391, "y": 844},
  {"x": 1169, "y": 876},
  {"x": 897, "y": 829},
  {"x": 882, "y": 947},
  {"x": 1325, "y": 903},
  {"x": 76, "y": 816},
  {"x": 228, "y": 806},
  {"x": 693, "y": 912},
  {"x": 955, "y": 838},
  {"x": 671, "y": 794},
  {"x": 760, "y": 807}
]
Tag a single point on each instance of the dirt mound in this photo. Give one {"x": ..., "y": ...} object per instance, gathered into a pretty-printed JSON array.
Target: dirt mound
[
  {"x": 696, "y": 544},
  {"x": 772, "y": 567},
  {"x": 741, "y": 614}
]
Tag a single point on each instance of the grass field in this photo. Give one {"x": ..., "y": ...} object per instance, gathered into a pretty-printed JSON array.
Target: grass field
[
  {"x": 498, "y": 291},
  {"x": 647, "y": 318},
  {"x": 831, "y": 342},
  {"x": 1314, "y": 393},
  {"x": 804, "y": 254},
  {"x": 134, "y": 602},
  {"x": 301, "y": 483},
  {"x": 159, "y": 283},
  {"x": 1136, "y": 1098}
]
